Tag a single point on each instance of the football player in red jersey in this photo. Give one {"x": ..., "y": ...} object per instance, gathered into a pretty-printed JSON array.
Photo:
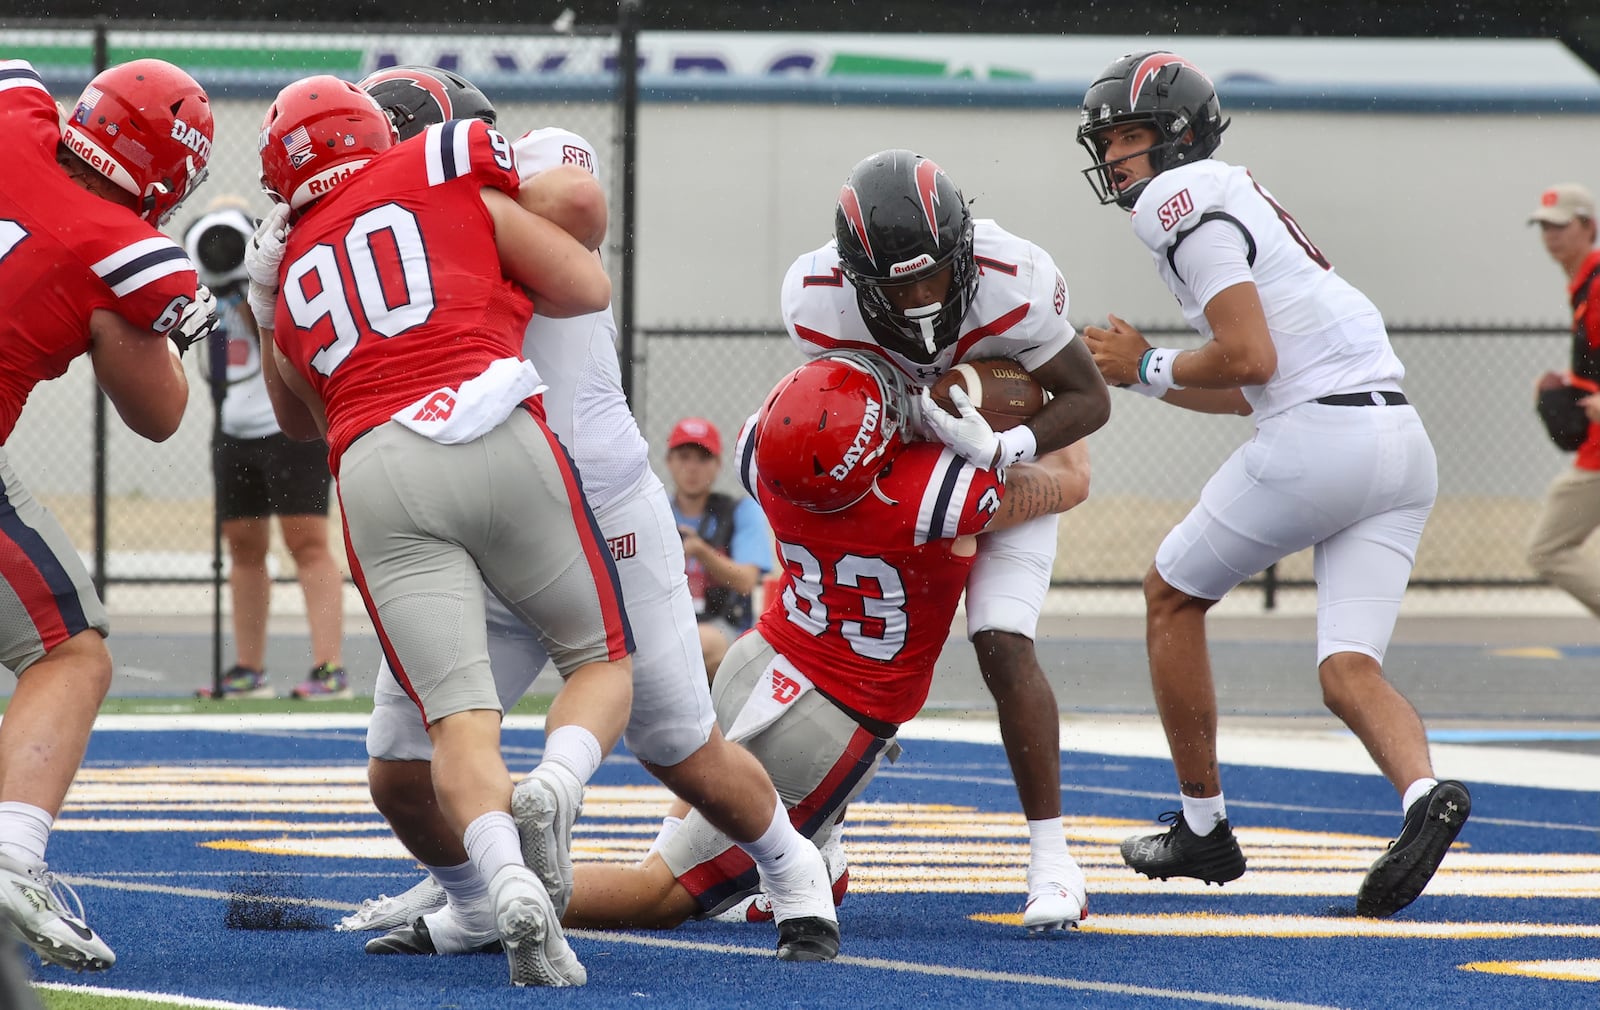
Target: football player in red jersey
[
  {"x": 83, "y": 270},
  {"x": 404, "y": 289},
  {"x": 912, "y": 278},
  {"x": 876, "y": 537}
]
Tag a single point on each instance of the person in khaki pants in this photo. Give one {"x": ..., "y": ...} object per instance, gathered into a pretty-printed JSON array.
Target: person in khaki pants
[{"x": 1571, "y": 510}]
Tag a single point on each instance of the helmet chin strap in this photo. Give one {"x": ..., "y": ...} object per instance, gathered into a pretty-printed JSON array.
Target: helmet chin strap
[{"x": 925, "y": 316}]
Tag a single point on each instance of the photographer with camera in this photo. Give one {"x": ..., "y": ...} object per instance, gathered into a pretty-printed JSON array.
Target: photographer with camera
[{"x": 260, "y": 473}]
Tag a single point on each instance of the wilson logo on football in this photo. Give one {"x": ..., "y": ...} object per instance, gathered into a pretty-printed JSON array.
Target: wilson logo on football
[{"x": 1171, "y": 212}]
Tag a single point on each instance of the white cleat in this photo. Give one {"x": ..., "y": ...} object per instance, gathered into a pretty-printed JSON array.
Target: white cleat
[
  {"x": 386, "y": 913},
  {"x": 1057, "y": 899},
  {"x": 530, "y": 931},
  {"x": 758, "y": 907},
  {"x": 544, "y": 805},
  {"x": 31, "y": 905}
]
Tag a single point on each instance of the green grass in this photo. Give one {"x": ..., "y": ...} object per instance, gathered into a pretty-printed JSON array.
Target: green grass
[
  {"x": 56, "y": 999},
  {"x": 538, "y": 704}
]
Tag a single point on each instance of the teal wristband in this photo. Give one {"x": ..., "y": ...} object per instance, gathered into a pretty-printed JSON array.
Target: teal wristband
[{"x": 1144, "y": 359}]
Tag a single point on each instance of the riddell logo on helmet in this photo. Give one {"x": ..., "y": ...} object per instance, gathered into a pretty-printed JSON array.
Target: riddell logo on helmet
[
  {"x": 858, "y": 447},
  {"x": 323, "y": 184},
  {"x": 911, "y": 266},
  {"x": 96, "y": 158}
]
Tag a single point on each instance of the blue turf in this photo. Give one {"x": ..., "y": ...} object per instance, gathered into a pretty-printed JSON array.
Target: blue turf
[{"x": 179, "y": 944}]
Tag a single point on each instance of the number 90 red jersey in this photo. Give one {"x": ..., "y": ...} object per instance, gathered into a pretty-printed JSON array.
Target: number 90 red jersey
[
  {"x": 868, "y": 593},
  {"x": 392, "y": 287}
]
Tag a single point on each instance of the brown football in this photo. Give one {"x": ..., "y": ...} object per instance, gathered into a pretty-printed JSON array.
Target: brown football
[{"x": 1002, "y": 390}]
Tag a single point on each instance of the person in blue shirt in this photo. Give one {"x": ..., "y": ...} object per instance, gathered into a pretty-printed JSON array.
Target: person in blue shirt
[{"x": 725, "y": 539}]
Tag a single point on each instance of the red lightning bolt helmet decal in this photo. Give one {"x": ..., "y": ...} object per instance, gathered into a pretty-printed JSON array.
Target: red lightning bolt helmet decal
[
  {"x": 850, "y": 205},
  {"x": 928, "y": 190},
  {"x": 1147, "y": 70},
  {"x": 427, "y": 82}
]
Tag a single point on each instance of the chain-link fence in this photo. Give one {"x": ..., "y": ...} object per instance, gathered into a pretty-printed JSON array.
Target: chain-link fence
[
  {"x": 1473, "y": 387},
  {"x": 143, "y": 513}
]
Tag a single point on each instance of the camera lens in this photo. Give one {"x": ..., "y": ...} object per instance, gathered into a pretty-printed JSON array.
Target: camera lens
[{"x": 221, "y": 249}]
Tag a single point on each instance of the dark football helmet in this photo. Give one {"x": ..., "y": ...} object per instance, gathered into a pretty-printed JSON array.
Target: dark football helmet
[
  {"x": 829, "y": 428},
  {"x": 900, "y": 219},
  {"x": 416, "y": 98},
  {"x": 1157, "y": 89}
]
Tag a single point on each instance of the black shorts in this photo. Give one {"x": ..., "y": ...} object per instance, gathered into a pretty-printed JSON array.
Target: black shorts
[{"x": 259, "y": 477}]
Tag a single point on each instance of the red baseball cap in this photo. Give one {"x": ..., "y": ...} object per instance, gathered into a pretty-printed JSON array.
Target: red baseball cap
[{"x": 696, "y": 431}]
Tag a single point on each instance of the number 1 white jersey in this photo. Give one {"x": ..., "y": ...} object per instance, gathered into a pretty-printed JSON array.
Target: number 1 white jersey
[
  {"x": 1019, "y": 310},
  {"x": 1209, "y": 225},
  {"x": 577, "y": 357}
]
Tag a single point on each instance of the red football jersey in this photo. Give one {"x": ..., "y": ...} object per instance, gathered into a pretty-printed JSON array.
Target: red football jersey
[
  {"x": 65, "y": 252},
  {"x": 392, "y": 285},
  {"x": 868, "y": 594}
]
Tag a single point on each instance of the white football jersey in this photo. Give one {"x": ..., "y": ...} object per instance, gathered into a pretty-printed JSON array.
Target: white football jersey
[
  {"x": 1329, "y": 336},
  {"x": 577, "y": 358},
  {"x": 1019, "y": 310}
]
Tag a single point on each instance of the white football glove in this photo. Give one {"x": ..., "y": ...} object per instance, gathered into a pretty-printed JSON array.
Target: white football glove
[
  {"x": 967, "y": 433},
  {"x": 264, "y": 255},
  {"x": 199, "y": 318},
  {"x": 263, "y": 258}
]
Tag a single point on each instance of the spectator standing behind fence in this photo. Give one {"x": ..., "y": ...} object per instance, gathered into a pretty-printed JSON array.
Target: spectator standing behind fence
[
  {"x": 725, "y": 539},
  {"x": 1571, "y": 510},
  {"x": 83, "y": 271},
  {"x": 261, "y": 473}
]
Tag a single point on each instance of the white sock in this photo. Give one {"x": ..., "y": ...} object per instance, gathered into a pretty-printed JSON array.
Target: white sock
[
  {"x": 669, "y": 827},
  {"x": 493, "y": 843},
  {"x": 575, "y": 749},
  {"x": 1204, "y": 813},
  {"x": 465, "y": 889},
  {"x": 776, "y": 842},
  {"x": 24, "y": 831},
  {"x": 1047, "y": 841},
  {"x": 1414, "y": 792}
]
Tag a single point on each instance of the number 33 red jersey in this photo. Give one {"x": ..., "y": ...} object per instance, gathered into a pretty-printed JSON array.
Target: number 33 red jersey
[{"x": 392, "y": 286}]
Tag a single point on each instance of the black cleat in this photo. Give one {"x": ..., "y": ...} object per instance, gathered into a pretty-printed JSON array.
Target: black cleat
[
  {"x": 1214, "y": 858},
  {"x": 808, "y": 938},
  {"x": 415, "y": 939},
  {"x": 1398, "y": 876}
]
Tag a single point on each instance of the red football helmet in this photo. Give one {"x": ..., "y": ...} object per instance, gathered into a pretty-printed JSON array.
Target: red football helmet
[
  {"x": 146, "y": 126},
  {"x": 317, "y": 134},
  {"x": 829, "y": 429}
]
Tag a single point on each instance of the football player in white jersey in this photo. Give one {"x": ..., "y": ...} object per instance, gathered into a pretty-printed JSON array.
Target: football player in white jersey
[
  {"x": 672, "y": 729},
  {"x": 911, "y": 277},
  {"x": 1340, "y": 462}
]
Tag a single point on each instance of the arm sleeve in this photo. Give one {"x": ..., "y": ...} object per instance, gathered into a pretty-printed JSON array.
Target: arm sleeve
[{"x": 752, "y": 543}]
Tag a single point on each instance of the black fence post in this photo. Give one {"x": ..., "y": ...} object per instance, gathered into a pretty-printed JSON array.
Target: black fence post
[
  {"x": 1269, "y": 588},
  {"x": 101, "y": 61},
  {"x": 628, "y": 85}
]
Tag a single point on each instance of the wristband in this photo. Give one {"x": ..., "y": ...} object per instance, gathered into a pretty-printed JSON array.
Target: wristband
[
  {"x": 1155, "y": 369},
  {"x": 1017, "y": 445}
]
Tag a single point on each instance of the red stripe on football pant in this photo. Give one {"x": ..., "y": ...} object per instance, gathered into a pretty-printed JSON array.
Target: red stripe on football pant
[
  {"x": 33, "y": 591},
  {"x": 360, "y": 579}
]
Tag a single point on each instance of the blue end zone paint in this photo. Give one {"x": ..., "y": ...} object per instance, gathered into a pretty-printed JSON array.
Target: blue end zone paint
[
  {"x": 1492, "y": 735},
  {"x": 175, "y": 943}
]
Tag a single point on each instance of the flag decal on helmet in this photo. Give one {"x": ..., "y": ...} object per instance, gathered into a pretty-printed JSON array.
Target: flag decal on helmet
[{"x": 297, "y": 144}]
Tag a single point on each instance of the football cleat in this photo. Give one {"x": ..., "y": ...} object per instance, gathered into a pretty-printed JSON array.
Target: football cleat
[
  {"x": 384, "y": 912},
  {"x": 1179, "y": 852},
  {"x": 531, "y": 933},
  {"x": 31, "y": 903},
  {"x": 1057, "y": 899},
  {"x": 446, "y": 936},
  {"x": 758, "y": 907},
  {"x": 1398, "y": 876},
  {"x": 802, "y": 905},
  {"x": 545, "y": 804}
]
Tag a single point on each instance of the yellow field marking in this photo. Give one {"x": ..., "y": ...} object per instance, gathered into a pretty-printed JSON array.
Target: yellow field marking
[
  {"x": 152, "y": 997},
  {"x": 1529, "y": 652},
  {"x": 1302, "y": 926},
  {"x": 1560, "y": 971}
]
